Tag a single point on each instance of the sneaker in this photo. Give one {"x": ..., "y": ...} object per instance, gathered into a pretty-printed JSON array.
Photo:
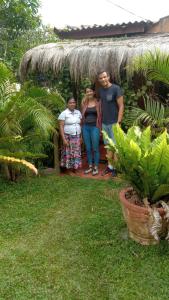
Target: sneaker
[
  {"x": 89, "y": 170},
  {"x": 114, "y": 173},
  {"x": 106, "y": 171},
  {"x": 95, "y": 171}
]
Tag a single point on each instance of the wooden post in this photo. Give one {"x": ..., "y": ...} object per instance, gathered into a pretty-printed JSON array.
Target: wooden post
[
  {"x": 5, "y": 171},
  {"x": 56, "y": 152}
]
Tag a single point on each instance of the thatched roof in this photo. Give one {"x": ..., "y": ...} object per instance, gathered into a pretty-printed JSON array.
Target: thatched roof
[{"x": 86, "y": 57}]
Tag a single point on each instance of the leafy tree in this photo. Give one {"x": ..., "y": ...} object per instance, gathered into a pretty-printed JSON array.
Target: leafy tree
[
  {"x": 17, "y": 16},
  {"x": 29, "y": 39},
  {"x": 20, "y": 29}
]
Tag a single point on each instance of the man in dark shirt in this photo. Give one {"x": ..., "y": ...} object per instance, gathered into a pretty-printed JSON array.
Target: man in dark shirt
[{"x": 112, "y": 110}]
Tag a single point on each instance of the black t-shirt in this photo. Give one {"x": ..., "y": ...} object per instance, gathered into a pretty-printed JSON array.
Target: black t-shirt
[
  {"x": 91, "y": 116},
  {"x": 108, "y": 98}
]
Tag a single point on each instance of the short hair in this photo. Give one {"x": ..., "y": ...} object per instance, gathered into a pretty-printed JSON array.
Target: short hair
[
  {"x": 102, "y": 71},
  {"x": 70, "y": 98}
]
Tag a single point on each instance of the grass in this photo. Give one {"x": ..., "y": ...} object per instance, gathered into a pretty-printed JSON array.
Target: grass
[{"x": 64, "y": 238}]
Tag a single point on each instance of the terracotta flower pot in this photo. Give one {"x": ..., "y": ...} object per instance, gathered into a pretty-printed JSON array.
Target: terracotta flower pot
[{"x": 139, "y": 221}]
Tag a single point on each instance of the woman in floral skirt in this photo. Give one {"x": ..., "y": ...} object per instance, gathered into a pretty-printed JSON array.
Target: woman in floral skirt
[{"x": 70, "y": 130}]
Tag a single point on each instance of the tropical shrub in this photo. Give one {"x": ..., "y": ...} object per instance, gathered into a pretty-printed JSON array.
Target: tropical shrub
[
  {"x": 154, "y": 114},
  {"x": 132, "y": 98},
  {"x": 154, "y": 66},
  {"x": 26, "y": 118}
]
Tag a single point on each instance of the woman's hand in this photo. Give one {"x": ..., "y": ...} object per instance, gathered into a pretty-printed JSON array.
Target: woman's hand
[{"x": 65, "y": 142}]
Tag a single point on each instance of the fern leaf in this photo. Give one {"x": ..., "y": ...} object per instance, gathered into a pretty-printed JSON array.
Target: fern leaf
[
  {"x": 145, "y": 139},
  {"x": 134, "y": 133}
]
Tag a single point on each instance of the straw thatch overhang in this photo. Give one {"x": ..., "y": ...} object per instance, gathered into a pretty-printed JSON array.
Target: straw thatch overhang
[
  {"x": 103, "y": 31},
  {"x": 86, "y": 57}
]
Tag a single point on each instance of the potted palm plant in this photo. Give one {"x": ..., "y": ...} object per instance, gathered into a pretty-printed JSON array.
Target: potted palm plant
[{"x": 145, "y": 164}]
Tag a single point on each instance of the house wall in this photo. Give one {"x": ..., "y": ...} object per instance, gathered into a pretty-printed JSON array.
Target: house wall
[{"x": 161, "y": 26}]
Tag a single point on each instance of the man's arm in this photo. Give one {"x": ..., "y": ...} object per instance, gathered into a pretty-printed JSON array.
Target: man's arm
[{"x": 120, "y": 103}]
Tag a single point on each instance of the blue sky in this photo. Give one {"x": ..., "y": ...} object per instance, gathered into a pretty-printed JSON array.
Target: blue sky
[{"x": 60, "y": 13}]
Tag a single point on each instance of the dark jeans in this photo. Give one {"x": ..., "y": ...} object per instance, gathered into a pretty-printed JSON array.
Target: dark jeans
[{"x": 91, "y": 137}]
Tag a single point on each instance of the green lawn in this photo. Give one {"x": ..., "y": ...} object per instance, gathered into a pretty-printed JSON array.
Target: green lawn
[{"x": 64, "y": 238}]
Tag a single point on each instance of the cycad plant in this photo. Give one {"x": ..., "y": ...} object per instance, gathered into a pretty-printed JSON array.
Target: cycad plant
[
  {"x": 145, "y": 164},
  {"x": 143, "y": 161},
  {"x": 26, "y": 124}
]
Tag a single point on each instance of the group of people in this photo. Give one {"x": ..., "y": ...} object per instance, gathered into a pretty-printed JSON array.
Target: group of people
[{"x": 96, "y": 114}]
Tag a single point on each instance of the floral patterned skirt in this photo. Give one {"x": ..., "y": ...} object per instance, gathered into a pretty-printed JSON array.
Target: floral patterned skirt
[{"x": 71, "y": 154}]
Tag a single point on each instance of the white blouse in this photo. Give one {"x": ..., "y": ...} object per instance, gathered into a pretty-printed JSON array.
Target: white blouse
[{"x": 72, "y": 120}]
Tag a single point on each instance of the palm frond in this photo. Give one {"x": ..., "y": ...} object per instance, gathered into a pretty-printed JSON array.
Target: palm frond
[
  {"x": 40, "y": 116},
  {"x": 50, "y": 99},
  {"x": 22, "y": 155},
  {"x": 9, "y": 120},
  {"x": 154, "y": 65},
  {"x": 5, "y": 73},
  {"x": 12, "y": 160},
  {"x": 154, "y": 113},
  {"x": 6, "y": 91}
]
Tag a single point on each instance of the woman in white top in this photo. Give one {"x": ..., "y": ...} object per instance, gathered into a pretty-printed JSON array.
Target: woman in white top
[{"x": 70, "y": 130}]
